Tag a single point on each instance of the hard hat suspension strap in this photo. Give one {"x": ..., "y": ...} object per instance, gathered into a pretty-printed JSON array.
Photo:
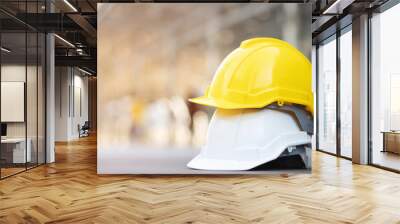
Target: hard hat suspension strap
[{"x": 304, "y": 119}]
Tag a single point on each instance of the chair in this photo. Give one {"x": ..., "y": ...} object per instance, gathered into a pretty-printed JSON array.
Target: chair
[{"x": 84, "y": 130}]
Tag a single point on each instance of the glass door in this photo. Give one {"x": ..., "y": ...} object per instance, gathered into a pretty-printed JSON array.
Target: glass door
[
  {"x": 32, "y": 98},
  {"x": 326, "y": 136},
  {"x": 22, "y": 77},
  {"x": 14, "y": 153},
  {"x": 345, "y": 93},
  {"x": 41, "y": 92}
]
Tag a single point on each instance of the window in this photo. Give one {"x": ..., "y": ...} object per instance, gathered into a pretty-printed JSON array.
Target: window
[
  {"x": 334, "y": 106},
  {"x": 346, "y": 92},
  {"x": 385, "y": 89},
  {"x": 327, "y": 96}
]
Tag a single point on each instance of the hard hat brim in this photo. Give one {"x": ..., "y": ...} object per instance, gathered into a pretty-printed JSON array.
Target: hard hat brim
[
  {"x": 223, "y": 104},
  {"x": 203, "y": 162}
]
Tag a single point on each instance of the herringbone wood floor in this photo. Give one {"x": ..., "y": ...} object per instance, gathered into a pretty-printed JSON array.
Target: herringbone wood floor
[{"x": 70, "y": 191}]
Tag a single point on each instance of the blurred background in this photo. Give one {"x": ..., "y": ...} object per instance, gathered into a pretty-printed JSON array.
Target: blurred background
[{"x": 152, "y": 58}]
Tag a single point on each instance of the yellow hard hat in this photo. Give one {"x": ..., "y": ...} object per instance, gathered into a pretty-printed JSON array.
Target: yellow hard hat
[{"x": 260, "y": 72}]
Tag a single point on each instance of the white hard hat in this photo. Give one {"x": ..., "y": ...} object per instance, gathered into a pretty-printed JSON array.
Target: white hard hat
[{"x": 246, "y": 138}]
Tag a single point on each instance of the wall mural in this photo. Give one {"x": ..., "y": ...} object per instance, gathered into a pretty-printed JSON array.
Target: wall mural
[{"x": 200, "y": 89}]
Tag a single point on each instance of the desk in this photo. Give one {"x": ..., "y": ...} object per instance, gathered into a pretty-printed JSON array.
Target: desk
[
  {"x": 391, "y": 141},
  {"x": 15, "y": 148}
]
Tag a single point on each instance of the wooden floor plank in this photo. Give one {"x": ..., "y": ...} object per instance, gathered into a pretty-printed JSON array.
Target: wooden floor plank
[{"x": 70, "y": 191}]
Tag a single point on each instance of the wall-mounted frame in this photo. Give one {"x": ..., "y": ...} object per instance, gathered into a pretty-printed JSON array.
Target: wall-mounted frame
[{"x": 12, "y": 98}]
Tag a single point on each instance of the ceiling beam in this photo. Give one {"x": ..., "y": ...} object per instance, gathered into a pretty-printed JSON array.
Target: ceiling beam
[
  {"x": 82, "y": 61},
  {"x": 84, "y": 24},
  {"x": 337, "y": 7},
  {"x": 49, "y": 22}
]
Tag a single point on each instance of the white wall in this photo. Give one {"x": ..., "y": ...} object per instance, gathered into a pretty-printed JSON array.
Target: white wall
[
  {"x": 33, "y": 126},
  {"x": 80, "y": 108},
  {"x": 71, "y": 94},
  {"x": 62, "y": 82},
  {"x": 12, "y": 73}
]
